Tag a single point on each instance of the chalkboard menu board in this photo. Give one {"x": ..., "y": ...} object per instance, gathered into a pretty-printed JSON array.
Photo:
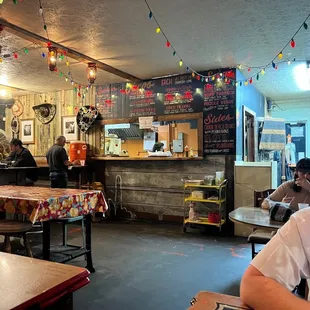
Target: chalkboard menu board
[
  {"x": 177, "y": 94},
  {"x": 109, "y": 101},
  {"x": 219, "y": 119},
  {"x": 140, "y": 99}
]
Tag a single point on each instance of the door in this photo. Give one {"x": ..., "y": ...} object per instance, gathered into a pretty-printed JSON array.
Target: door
[
  {"x": 296, "y": 135},
  {"x": 248, "y": 135}
]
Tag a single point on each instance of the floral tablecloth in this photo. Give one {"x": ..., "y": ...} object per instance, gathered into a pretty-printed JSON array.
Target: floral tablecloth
[{"x": 43, "y": 204}]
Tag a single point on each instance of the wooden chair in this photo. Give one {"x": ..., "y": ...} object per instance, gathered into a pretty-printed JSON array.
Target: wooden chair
[
  {"x": 260, "y": 236},
  {"x": 12, "y": 228}
]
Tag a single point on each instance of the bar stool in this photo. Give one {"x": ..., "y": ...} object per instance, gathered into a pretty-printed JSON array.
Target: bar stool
[{"x": 12, "y": 228}]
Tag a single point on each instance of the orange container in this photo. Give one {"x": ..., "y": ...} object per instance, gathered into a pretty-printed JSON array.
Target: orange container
[{"x": 78, "y": 150}]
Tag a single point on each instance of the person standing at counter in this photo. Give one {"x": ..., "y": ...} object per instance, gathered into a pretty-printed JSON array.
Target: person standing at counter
[
  {"x": 21, "y": 157},
  {"x": 158, "y": 147},
  {"x": 58, "y": 163}
]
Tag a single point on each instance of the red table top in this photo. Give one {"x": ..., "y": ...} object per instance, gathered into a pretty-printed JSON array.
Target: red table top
[{"x": 26, "y": 281}]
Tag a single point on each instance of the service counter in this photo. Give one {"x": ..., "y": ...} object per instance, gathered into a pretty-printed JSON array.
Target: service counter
[{"x": 151, "y": 187}]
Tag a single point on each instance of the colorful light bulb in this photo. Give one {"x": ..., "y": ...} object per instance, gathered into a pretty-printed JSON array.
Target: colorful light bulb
[
  {"x": 293, "y": 44},
  {"x": 158, "y": 30}
]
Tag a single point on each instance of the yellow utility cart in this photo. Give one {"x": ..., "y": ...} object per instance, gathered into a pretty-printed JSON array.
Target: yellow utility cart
[{"x": 205, "y": 194}]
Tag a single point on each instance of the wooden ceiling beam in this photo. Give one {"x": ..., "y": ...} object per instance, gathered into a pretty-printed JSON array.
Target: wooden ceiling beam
[{"x": 37, "y": 39}]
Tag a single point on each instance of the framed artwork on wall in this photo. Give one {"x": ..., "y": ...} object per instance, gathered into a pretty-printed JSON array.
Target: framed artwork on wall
[
  {"x": 27, "y": 131},
  {"x": 69, "y": 128}
]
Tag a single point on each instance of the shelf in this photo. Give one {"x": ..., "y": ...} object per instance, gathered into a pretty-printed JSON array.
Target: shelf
[
  {"x": 203, "y": 221},
  {"x": 188, "y": 199},
  {"x": 202, "y": 186}
]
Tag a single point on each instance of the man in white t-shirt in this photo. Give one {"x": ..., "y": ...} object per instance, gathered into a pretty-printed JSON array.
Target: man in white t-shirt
[{"x": 275, "y": 272}]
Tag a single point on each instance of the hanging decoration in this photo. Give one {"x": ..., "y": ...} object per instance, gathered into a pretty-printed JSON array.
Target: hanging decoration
[
  {"x": 45, "y": 112},
  {"x": 261, "y": 69},
  {"x": 91, "y": 72},
  {"x": 15, "y": 125},
  {"x": 52, "y": 58},
  {"x": 86, "y": 117}
]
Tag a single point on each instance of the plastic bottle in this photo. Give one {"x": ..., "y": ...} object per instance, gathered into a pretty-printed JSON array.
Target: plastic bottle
[{"x": 191, "y": 214}]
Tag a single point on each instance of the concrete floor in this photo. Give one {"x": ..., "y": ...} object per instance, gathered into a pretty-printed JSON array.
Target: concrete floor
[{"x": 157, "y": 266}]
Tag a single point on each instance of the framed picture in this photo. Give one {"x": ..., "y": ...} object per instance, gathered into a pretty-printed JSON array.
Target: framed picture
[
  {"x": 69, "y": 128},
  {"x": 27, "y": 131}
]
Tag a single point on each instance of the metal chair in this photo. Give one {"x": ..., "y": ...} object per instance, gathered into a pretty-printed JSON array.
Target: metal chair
[{"x": 260, "y": 236}]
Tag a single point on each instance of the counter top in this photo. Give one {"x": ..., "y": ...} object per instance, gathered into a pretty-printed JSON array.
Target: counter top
[{"x": 147, "y": 158}]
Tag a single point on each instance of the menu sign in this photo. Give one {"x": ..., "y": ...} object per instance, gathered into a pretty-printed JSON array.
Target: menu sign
[
  {"x": 219, "y": 123},
  {"x": 109, "y": 101},
  {"x": 177, "y": 95},
  {"x": 141, "y": 99}
]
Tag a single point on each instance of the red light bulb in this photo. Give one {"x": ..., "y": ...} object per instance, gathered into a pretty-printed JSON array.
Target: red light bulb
[
  {"x": 293, "y": 43},
  {"x": 168, "y": 44}
]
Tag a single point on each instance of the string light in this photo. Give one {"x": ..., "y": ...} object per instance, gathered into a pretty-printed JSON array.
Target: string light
[
  {"x": 230, "y": 80},
  {"x": 168, "y": 44}
]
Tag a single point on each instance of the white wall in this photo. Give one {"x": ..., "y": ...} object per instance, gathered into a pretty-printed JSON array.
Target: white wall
[{"x": 295, "y": 111}]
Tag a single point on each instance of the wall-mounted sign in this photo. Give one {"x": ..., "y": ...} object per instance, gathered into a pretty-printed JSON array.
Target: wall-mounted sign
[{"x": 146, "y": 122}]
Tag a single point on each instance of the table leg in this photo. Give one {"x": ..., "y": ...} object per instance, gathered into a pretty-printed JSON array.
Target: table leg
[
  {"x": 88, "y": 222},
  {"x": 46, "y": 240}
]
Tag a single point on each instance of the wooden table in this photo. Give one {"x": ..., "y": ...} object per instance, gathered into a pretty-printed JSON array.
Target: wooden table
[
  {"x": 255, "y": 217},
  {"x": 32, "y": 283},
  {"x": 214, "y": 301},
  {"x": 42, "y": 204}
]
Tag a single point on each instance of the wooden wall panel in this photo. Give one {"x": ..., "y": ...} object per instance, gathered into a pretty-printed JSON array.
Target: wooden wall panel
[
  {"x": 154, "y": 188},
  {"x": 67, "y": 102}
]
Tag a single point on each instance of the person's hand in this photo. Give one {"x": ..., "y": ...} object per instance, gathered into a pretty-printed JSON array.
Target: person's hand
[
  {"x": 287, "y": 199},
  {"x": 303, "y": 183},
  {"x": 76, "y": 163}
]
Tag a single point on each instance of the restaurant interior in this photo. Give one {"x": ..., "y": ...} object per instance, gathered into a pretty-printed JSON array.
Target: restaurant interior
[{"x": 178, "y": 119}]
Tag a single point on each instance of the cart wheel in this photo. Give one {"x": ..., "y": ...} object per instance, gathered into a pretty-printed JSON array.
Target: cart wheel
[{"x": 184, "y": 229}]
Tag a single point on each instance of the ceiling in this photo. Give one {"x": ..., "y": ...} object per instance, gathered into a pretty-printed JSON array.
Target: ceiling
[{"x": 207, "y": 34}]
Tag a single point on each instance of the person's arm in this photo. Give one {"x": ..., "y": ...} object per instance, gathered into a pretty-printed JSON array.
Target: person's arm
[
  {"x": 65, "y": 159},
  {"x": 278, "y": 195},
  {"x": 275, "y": 271},
  {"x": 262, "y": 293},
  {"x": 9, "y": 158},
  {"x": 24, "y": 160}
]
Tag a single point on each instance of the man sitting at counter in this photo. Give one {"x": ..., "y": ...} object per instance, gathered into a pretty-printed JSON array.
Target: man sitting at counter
[{"x": 21, "y": 157}]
